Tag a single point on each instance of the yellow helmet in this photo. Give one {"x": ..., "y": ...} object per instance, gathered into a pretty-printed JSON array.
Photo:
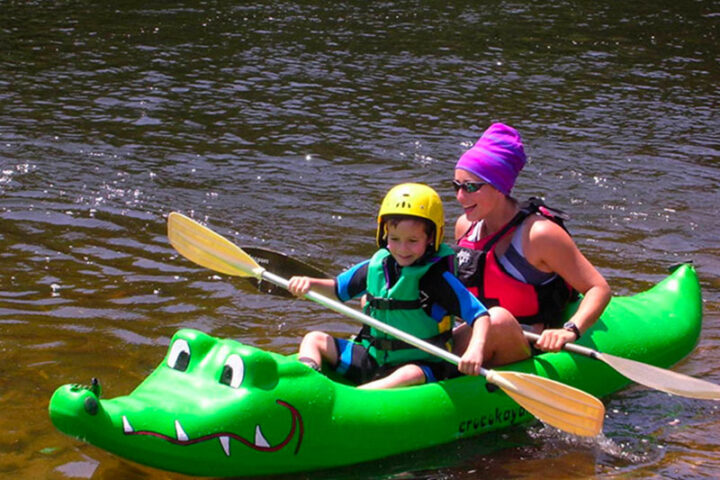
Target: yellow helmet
[{"x": 415, "y": 200}]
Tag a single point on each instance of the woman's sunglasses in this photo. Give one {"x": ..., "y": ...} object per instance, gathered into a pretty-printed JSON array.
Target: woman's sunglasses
[{"x": 469, "y": 187}]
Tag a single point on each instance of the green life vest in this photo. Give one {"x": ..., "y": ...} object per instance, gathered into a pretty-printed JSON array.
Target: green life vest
[{"x": 401, "y": 307}]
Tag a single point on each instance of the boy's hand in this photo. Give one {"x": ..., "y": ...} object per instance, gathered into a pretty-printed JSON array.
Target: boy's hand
[
  {"x": 471, "y": 361},
  {"x": 299, "y": 286}
]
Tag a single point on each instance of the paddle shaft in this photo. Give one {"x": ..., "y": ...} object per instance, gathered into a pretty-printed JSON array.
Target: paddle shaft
[
  {"x": 367, "y": 320},
  {"x": 564, "y": 407},
  {"x": 570, "y": 347},
  {"x": 644, "y": 374},
  {"x": 270, "y": 259}
]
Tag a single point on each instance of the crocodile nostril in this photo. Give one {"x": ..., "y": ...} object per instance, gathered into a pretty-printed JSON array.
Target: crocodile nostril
[{"x": 91, "y": 405}]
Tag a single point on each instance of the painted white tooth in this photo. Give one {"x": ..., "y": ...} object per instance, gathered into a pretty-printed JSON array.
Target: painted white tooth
[
  {"x": 127, "y": 428},
  {"x": 181, "y": 435},
  {"x": 260, "y": 438},
  {"x": 225, "y": 442}
]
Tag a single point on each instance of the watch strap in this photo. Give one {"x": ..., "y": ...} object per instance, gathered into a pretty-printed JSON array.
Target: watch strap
[{"x": 571, "y": 327}]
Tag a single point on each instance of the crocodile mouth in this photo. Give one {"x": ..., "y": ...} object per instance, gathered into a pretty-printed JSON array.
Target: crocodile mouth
[{"x": 259, "y": 443}]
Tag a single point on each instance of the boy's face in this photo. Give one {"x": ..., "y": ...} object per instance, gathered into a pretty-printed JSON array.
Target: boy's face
[{"x": 407, "y": 241}]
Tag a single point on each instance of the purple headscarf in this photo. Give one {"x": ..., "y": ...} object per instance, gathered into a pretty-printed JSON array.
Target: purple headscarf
[{"x": 497, "y": 157}]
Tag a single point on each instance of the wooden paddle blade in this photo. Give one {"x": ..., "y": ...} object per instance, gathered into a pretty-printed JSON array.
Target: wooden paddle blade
[
  {"x": 662, "y": 379},
  {"x": 283, "y": 265},
  {"x": 559, "y": 405},
  {"x": 201, "y": 245}
]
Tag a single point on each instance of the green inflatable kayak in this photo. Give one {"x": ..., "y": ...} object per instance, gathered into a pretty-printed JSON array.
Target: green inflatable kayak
[{"x": 217, "y": 407}]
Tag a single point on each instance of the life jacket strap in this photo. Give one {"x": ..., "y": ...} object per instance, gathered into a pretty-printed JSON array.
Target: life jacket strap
[
  {"x": 527, "y": 208},
  {"x": 380, "y": 303}
]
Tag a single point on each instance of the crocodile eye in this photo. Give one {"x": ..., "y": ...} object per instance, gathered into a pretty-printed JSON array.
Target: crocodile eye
[
  {"x": 233, "y": 371},
  {"x": 179, "y": 356}
]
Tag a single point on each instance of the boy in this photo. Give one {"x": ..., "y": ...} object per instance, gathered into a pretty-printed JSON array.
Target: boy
[{"x": 410, "y": 284}]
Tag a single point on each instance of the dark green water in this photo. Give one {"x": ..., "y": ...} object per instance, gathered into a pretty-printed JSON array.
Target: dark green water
[{"x": 282, "y": 124}]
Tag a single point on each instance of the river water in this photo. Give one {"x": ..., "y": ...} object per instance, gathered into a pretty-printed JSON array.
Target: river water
[{"x": 281, "y": 124}]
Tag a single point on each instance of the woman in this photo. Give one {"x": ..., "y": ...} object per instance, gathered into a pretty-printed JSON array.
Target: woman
[{"x": 518, "y": 259}]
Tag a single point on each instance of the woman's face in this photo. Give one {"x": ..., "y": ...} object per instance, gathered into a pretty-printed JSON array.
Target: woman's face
[{"x": 476, "y": 202}]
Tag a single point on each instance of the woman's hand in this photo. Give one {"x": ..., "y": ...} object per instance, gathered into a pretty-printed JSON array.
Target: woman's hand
[{"x": 554, "y": 339}]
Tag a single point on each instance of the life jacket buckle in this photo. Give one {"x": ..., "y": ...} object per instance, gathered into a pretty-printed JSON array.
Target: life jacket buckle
[
  {"x": 381, "y": 303},
  {"x": 384, "y": 344}
]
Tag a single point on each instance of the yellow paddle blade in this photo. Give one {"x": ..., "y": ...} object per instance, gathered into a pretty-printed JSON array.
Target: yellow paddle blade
[
  {"x": 662, "y": 379},
  {"x": 556, "y": 404},
  {"x": 201, "y": 245}
]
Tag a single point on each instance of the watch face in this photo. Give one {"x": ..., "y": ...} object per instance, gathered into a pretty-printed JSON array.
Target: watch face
[{"x": 571, "y": 327}]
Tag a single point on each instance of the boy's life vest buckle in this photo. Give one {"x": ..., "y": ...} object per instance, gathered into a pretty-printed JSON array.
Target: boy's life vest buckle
[{"x": 382, "y": 303}]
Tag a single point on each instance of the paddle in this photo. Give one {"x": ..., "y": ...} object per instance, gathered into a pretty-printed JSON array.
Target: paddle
[
  {"x": 648, "y": 375},
  {"x": 554, "y": 403},
  {"x": 651, "y": 376},
  {"x": 281, "y": 264}
]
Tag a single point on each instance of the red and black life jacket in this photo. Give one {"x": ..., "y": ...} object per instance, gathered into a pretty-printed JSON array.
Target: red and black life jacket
[{"x": 482, "y": 273}]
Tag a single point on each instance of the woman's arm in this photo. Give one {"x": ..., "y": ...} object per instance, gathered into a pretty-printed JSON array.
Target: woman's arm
[{"x": 550, "y": 248}]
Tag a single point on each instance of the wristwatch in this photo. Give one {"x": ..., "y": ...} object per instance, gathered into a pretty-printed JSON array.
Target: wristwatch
[{"x": 571, "y": 327}]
